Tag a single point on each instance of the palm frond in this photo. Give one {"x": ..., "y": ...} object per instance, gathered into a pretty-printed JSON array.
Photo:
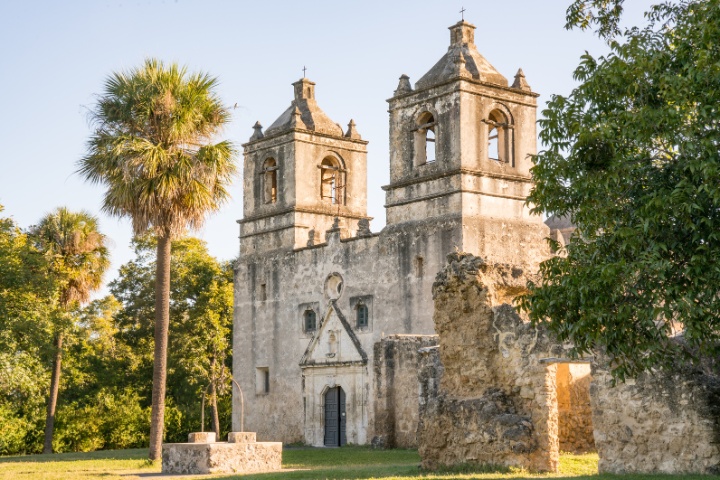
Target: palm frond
[{"x": 152, "y": 147}]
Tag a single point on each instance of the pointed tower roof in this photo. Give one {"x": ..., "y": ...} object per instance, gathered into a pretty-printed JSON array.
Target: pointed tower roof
[
  {"x": 461, "y": 59},
  {"x": 310, "y": 115}
]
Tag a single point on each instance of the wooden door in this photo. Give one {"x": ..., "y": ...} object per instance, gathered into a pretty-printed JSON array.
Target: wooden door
[{"x": 335, "y": 417}]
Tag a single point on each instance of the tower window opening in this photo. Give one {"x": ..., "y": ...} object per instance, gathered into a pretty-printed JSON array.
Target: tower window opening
[
  {"x": 499, "y": 137},
  {"x": 429, "y": 145},
  {"x": 419, "y": 266},
  {"x": 361, "y": 313},
  {"x": 310, "y": 320},
  {"x": 262, "y": 380},
  {"x": 332, "y": 187},
  {"x": 425, "y": 139},
  {"x": 270, "y": 170},
  {"x": 493, "y": 144}
]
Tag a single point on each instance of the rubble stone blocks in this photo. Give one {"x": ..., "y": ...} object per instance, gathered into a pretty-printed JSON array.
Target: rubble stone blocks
[
  {"x": 657, "y": 423},
  {"x": 201, "y": 437},
  {"x": 396, "y": 360},
  {"x": 240, "y": 455},
  {"x": 499, "y": 391},
  {"x": 488, "y": 398},
  {"x": 241, "y": 437}
]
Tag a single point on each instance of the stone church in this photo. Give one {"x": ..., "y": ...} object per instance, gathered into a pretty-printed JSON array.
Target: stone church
[{"x": 316, "y": 288}]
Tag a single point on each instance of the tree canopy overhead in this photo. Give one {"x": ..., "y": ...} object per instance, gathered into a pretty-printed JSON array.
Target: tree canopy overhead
[{"x": 633, "y": 158}]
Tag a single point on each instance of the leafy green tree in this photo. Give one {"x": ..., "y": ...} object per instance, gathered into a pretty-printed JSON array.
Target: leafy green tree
[
  {"x": 152, "y": 150},
  {"x": 633, "y": 158},
  {"x": 100, "y": 408},
  {"x": 203, "y": 304},
  {"x": 77, "y": 258},
  {"x": 27, "y": 298},
  {"x": 200, "y": 333}
]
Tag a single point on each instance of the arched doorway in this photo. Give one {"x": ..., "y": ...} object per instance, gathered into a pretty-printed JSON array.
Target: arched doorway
[{"x": 335, "y": 417}]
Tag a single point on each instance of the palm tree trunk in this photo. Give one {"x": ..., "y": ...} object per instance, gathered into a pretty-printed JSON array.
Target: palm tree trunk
[
  {"x": 52, "y": 398},
  {"x": 213, "y": 401},
  {"x": 162, "y": 323}
]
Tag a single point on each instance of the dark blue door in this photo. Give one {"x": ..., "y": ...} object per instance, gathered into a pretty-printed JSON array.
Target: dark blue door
[{"x": 335, "y": 417}]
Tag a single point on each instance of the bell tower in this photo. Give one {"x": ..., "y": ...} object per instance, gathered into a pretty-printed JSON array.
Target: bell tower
[
  {"x": 300, "y": 175},
  {"x": 461, "y": 143}
]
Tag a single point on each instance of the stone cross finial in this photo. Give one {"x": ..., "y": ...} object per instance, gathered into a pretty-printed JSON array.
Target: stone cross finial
[
  {"x": 520, "y": 83},
  {"x": 304, "y": 70},
  {"x": 257, "y": 133}
]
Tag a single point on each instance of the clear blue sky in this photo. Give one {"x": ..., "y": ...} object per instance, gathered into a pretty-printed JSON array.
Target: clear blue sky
[{"x": 54, "y": 57}]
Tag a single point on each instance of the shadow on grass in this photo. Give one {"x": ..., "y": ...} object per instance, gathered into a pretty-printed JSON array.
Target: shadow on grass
[{"x": 129, "y": 454}]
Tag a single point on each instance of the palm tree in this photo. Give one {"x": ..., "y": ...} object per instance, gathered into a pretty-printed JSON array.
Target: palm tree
[
  {"x": 152, "y": 149},
  {"x": 78, "y": 258}
]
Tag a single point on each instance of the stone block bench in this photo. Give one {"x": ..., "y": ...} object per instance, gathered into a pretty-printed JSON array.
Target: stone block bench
[{"x": 240, "y": 454}]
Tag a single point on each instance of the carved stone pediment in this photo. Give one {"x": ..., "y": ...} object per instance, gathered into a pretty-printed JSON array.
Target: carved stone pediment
[{"x": 334, "y": 343}]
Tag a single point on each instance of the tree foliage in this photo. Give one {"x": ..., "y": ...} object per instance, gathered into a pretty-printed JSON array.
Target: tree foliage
[
  {"x": 200, "y": 329},
  {"x": 77, "y": 259},
  {"x": 633, "y": 159},
  {"x": 604, "y": 15},
  {"x": 105, "y": 396}
]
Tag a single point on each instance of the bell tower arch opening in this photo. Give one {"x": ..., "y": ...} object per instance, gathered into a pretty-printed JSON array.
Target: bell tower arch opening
[
  {"x": 332, "y": 181},
  {"x": 425, "y": 137},
  {"x": 300, "y": 175},
  {"x": 270, "y": 183},
  {"x": 499, "y": 137}
]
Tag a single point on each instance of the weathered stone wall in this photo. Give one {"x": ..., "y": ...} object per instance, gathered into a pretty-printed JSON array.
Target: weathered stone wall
[
  {"x": 396, "y": 367},
  {"x": 575, "y": 429},
  {"x": 495, "y": 403},
  {"x": 384, "y": 269},
  {"x": 661, "y": 423}
]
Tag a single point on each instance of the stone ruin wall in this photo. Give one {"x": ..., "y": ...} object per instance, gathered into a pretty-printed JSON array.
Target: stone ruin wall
[
  {"x": 575, "y": 428},
  {"x": 494, "y": 393},
  {"x": 661, "y": 423},
  {"x": 396, "y": 364},
  {"x": 491, "y": 378}
]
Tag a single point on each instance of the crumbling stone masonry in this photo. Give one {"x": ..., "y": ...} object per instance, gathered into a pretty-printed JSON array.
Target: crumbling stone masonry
[
  {"x": 662, "y": 423},
  {"x": 396, "y": 362},
  {"x": 496, "y": 401},
  {"x": 498, "y": 391}
]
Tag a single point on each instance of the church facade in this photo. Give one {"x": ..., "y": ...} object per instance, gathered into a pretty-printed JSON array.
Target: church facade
[{"x": 316, "y": 289}]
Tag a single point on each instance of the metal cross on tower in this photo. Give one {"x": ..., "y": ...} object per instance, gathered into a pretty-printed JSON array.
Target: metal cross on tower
[
  {"x": 304, "y": 69},
  {"x": 462, "y": 14}
]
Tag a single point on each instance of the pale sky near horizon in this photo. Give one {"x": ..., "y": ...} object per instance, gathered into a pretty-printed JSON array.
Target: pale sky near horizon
[{"x": 54, "y": 57}]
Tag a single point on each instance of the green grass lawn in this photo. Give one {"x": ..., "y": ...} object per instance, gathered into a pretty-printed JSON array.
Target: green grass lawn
[{"x": 305, "y": 463}]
